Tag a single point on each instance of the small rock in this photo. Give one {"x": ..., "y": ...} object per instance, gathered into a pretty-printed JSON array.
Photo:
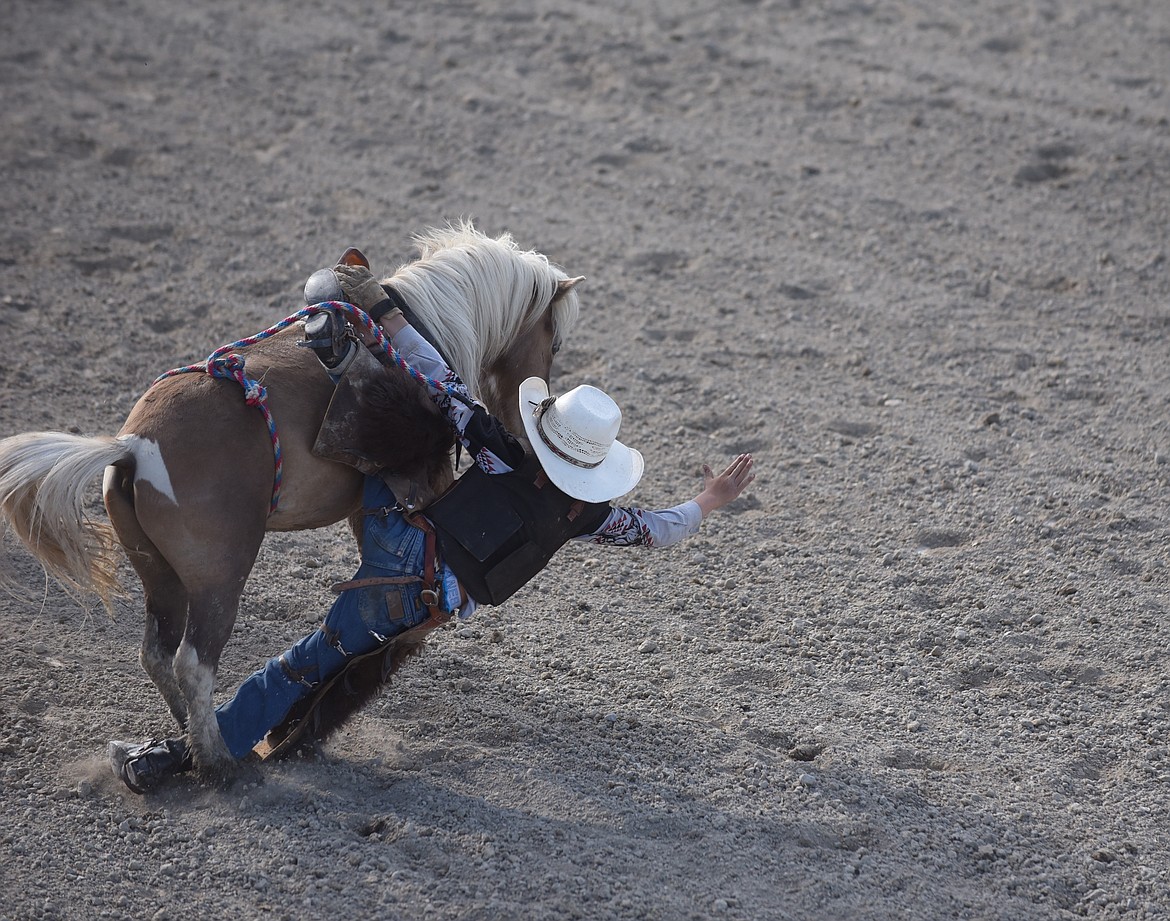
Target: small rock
[{"x": 648, "y": 646}]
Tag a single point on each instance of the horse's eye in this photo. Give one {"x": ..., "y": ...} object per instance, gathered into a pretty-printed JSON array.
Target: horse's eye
[{"x": 556, "y": 347}]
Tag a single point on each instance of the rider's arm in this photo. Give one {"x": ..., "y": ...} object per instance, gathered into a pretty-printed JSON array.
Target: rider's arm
[
  {"x": 634, "y": 527},
  {"x": 629, "y": 527}
]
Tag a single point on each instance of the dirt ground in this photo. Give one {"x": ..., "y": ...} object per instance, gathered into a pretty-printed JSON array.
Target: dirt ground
[{"x": 913, "y": 255}]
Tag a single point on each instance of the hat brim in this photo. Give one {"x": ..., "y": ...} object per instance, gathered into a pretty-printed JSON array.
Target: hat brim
[{"x": 615, "y": 476}]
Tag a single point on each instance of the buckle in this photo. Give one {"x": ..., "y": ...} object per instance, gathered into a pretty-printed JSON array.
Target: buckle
[{"x": 429, "y": 597}]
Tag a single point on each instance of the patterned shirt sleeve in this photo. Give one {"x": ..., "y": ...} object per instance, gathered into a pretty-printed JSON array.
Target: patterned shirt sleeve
[
  {"x": 492, "y": 446},
  {"x": 632, "y": 527}
]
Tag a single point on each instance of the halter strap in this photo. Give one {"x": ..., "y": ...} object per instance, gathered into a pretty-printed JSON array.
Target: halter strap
[{"x": 394, "y": 299}]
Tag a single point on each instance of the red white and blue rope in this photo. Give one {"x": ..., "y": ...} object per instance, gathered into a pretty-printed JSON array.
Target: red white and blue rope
[{"x": 226, "y": 363}]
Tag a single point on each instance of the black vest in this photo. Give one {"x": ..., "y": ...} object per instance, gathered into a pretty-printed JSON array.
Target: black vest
[{"x": 498, "y": 530}]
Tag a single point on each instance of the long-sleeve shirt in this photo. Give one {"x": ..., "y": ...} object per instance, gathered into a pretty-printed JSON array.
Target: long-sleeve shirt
[{"x": 496, "y": 450}]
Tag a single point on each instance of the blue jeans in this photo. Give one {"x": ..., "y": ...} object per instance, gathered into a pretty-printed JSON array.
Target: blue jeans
[{"x": 360, "y": 620}]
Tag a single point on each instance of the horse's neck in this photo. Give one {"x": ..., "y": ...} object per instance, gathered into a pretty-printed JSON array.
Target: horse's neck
[{"x": 475, "y": 320}]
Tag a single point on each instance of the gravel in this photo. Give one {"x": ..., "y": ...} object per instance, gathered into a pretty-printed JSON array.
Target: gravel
[{"x": 912, "y": 256}]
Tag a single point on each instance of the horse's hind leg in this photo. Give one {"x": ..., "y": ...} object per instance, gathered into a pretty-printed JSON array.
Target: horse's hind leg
[
  {"x": 194, "y": 577},
  {"x": 166, "y": 616},
  {"x": 164, "y": 593},
  {"x": 212, "y": 615}
]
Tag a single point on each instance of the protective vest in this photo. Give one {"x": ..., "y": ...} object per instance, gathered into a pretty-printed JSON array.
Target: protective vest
[{"x": 498, "y": 530}]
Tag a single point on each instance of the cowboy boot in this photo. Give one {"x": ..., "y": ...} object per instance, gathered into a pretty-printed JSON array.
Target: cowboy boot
[
  {"x": 143, "y": 767},
  {"x": 328, "y": 335}
]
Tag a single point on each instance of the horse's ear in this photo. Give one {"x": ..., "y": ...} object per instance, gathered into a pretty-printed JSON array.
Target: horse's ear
[
  {"x": 354, "y": 256},
  {"x": 565, "y": 285}
]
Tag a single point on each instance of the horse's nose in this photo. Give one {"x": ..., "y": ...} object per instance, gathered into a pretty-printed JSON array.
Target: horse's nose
[{"x": 323, "y": 286}]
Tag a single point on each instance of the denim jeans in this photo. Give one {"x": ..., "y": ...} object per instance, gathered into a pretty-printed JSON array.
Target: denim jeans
[{"x": 360, "y": 620}]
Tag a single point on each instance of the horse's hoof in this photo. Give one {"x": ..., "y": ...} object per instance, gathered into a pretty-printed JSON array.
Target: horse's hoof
[
  {"x": 229, "y": 775},
  {"x": 239, "y": 780},
  {"x": 246, "y": 775}
]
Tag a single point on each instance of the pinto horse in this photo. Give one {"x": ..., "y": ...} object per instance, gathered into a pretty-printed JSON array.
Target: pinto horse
[{"x": 189, "y": 479}]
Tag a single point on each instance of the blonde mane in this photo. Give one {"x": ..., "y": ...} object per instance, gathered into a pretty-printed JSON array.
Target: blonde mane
[{"x": 464, "y": 283}]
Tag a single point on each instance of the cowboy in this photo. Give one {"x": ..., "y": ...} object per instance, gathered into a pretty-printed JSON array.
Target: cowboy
[{"x": 478, "y": 544}]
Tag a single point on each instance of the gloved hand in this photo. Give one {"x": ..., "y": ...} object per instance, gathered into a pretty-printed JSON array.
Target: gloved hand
[{"x": 360, "y": 287}]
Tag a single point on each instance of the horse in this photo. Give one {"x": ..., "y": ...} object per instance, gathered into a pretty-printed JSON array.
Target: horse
[{"x": 189, "y": 479}]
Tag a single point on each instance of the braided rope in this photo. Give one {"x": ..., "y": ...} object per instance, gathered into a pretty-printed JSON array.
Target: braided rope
[{"x": 226, "y": 363}]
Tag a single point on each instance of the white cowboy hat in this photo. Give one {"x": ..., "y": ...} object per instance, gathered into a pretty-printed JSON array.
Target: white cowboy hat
[{"x": 575, "y": 440}]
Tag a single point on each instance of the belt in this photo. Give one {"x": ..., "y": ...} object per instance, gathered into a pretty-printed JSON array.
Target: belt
[{"x": 431, "y": 593}]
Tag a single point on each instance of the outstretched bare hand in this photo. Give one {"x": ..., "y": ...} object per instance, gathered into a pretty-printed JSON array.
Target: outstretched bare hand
[{"x": 727, "y": 486}]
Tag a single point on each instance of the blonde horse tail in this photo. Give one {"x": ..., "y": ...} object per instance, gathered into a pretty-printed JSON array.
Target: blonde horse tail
[{"x": 43, "y": 480}]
